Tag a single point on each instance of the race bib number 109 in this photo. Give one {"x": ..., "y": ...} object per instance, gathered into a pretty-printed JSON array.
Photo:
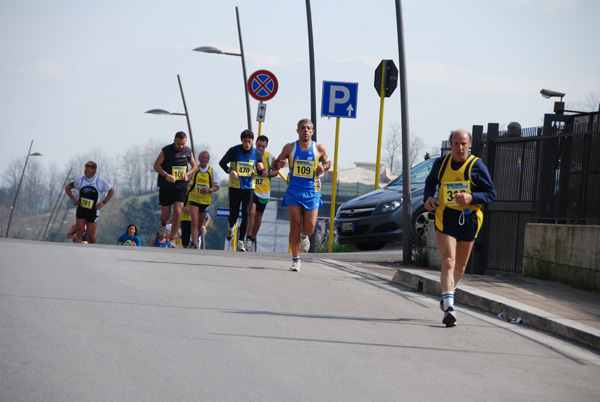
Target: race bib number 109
[{"x": 304, "y": 169}]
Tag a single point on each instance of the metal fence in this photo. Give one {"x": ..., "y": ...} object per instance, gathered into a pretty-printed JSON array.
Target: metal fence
[{"x": 549, "y": 174}]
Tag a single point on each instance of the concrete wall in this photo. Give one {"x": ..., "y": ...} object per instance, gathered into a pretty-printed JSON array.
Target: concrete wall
[
  {"x": 570, "y": 253},
  {"x": 432, "y": 248}
]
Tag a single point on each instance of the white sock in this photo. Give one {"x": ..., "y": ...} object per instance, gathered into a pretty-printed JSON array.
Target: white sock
[{"x": 448, "y": 298}]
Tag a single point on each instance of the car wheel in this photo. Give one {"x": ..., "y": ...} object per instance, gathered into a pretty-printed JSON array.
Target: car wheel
[
  {"x": 421, "y": 220},
  {"x": 378, "y": 245}
]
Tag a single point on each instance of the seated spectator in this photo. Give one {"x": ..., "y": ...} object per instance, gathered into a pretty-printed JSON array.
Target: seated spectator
[
  {"x": 130, "y": 238},
  {"x": 160, "y": 240},
  {"x": 72, "y": 234}
]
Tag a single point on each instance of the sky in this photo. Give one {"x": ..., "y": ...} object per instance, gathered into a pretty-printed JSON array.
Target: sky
[{"x": 77, "y": 76}]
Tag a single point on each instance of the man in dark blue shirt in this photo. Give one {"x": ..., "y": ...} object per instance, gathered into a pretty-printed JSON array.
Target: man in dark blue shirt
[{"x": 464, "y": 185}]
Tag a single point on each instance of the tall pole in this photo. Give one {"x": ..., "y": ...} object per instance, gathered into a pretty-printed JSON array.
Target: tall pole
[
  {"x": 187, "y": 116},
  {"x": 406, "y": 217},
  {"x": 12, "y": 208},
  {"x": 313, "y": 100},
  {"x": 311, "y": 57},
  {"x": 237, "y": 16}
]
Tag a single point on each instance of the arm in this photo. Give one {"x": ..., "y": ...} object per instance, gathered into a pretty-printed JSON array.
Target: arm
[
  {"x": 485, "y": 190},
  {"x": 71, "y": 232},
  {"x": 431, "y": 184},
  {"x": 69, "y": 190},
  {"x": 323, "y": 158},
  {"x": 109, "y": 195},
  {"x": 274, "y": 168},
  {"x": 158, "y": 168},
  {"x": 230, "y": 156},
  {"x": 193, "y": 170},
  {"x": 281, "y": 160}
]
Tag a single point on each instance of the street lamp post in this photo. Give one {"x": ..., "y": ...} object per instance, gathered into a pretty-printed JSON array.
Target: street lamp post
[
  {"x": 187, "y": 117},
  {"x": 12, "y": 208},
  {"x": 211, "y": 49}
]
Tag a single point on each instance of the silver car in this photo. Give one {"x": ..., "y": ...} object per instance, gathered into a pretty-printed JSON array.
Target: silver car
[{"x": 373, "y": 219}]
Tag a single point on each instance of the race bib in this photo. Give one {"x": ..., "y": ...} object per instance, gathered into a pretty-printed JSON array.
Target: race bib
[
  {"x": 244, "y": 169},
  {"x": 453, "y": 187},
  {"x": 178, "y": 243},
  {"x": 258, "y": 181},
  {"x": 199, "y": 188},
  {"x": 305, "y": 169},
  {"x": 86, "y": 203},
  {"x": 178, "y": 172}
]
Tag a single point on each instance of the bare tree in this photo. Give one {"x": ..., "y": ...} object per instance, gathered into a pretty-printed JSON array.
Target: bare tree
[
  {"x": 393, "y": 149},
  {"x": 591, "y": 102},
  {"x": 392, "y": 146}
]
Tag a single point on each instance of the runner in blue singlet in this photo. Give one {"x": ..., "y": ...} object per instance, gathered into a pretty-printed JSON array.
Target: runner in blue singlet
[{"x": 308, "y": 160}]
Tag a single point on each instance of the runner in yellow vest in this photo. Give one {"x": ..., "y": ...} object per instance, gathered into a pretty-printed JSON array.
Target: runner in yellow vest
[
  {"x": 262, "y": 192},
  {"x": 202, "y": 185}
]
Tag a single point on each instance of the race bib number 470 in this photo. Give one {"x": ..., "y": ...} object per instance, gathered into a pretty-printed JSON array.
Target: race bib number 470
[
  {"x": 451, "y": 188},
  {"x": 244, "y": 169},
  {"x": 304, "y": 169}
]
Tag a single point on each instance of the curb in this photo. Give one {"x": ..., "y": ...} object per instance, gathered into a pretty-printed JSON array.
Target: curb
[
  {"x": 530, "y": 316},
  {"x": 473, "y": 297}
]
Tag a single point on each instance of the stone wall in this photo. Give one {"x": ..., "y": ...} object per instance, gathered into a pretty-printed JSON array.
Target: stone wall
[
  {"x": 432, "y": 249},
  {"x": 569, "y": 253}
]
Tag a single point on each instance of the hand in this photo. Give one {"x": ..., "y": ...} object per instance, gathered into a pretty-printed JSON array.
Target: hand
[
  {"x": 170, "y": 178},
  {"x": 265, "y": 173},
  {"x": 463, "y": 198},
  {"x": 282, "y": 163},
  {"x": 75, "y": 202},
  {"x": 320, "y": 170},
  {"x": 100, "y": 205},
  {"x": 430, "y": 204},
  {"x": 233, "y": 174}
]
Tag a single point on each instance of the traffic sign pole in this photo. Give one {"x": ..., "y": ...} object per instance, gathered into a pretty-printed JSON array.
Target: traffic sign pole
[
  {"x": 334, "y": 184},
  {"x": 386, "y": 80},
  {"x": 381, "y": 104}
]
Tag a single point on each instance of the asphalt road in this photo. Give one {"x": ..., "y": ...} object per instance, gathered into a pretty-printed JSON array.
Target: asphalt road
[{"x": 108, "y": 323}]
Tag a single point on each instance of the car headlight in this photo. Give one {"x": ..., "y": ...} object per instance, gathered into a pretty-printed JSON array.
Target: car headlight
[{"x": 388, "y": 207}]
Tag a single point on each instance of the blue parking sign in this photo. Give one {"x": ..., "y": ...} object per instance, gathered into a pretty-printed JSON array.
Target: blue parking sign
[{"x": 339, "y": 99}]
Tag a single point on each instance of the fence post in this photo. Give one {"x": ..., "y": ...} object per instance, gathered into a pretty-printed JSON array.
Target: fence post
[{"x": 478, "y": 262}]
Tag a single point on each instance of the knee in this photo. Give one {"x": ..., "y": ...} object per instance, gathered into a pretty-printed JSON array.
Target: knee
[{"x": 447, "y": 263}]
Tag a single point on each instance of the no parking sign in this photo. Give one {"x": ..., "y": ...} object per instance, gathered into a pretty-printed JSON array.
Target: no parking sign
[{"x": 262, "y": 85}]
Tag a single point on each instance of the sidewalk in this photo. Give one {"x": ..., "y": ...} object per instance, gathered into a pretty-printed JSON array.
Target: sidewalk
[{"x": 549, "y": 306}]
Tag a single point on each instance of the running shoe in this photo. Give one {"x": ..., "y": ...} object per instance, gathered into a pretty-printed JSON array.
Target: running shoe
[
  {"x": 171, "y": 243},
  {"x": 229, "y": 234},
  {"x": 449, "y": 317},
  {"x": 249, "y": 244},
  {"x": 240, "y": 246},
  {"x": 304, "y": 244},
  {"x": 295, "y": 265}
]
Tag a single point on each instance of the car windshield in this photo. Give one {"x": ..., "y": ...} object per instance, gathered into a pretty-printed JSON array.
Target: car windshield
[{"x": 418, "y": 174}]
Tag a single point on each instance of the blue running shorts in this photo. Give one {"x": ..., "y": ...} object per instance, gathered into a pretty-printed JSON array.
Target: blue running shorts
[{"x": 309, "y": 200}]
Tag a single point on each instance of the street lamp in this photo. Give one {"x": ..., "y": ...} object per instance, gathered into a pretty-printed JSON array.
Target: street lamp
[
  {"x": 187, "y": 117},
  {"x": 12, "y": 208},
  {"x": 559, "y": 107},
  {"x": 211, "y": 49}
]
